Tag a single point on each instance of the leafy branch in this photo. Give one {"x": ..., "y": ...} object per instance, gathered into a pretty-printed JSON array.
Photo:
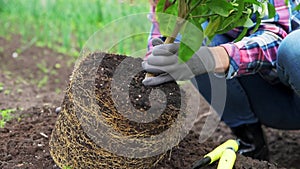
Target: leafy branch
[{"x": 186, "y": 17}]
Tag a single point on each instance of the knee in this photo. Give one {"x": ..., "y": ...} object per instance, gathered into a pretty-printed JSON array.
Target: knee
[
  {"x": 289, "y": 49},
  {"x": 288, "y": 61}
]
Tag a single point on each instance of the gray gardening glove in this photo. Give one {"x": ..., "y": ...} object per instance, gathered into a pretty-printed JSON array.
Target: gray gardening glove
[{"x": 164, "y": 61}]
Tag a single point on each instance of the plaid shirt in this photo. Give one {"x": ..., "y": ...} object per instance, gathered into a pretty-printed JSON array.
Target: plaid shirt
[{"x": 255, "y": 53}]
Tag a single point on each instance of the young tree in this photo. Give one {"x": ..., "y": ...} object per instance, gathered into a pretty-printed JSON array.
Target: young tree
[{"x": 222, "y": 16}]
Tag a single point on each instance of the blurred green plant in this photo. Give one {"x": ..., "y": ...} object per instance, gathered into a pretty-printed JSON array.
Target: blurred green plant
[
  {"x": 67, "y": 167},
  {"x": 5, "y": 116},
  {"x": 42, "y": 82},
  {"x": 63, "y": 25},
  {"x": 1, "y": 87}
]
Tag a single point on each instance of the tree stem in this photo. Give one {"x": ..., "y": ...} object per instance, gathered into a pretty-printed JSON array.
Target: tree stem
[{"x": 179, "y": 23}]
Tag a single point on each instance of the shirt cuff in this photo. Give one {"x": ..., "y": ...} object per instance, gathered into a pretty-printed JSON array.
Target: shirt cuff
[
  {"x": 234, "y": 59},
  {"x": 232, "y": 70}
]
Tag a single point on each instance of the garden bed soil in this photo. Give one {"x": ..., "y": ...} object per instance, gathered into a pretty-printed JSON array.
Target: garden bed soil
[{"x": 24, "y": 140}]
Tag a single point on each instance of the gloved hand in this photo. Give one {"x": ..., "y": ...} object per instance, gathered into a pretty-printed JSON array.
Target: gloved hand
[{"x": 165, "y": 62}]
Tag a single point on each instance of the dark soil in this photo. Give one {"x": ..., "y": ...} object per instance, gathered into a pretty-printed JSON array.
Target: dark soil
[
  {"x": 138, "y": 98},
  {"x": 24, "y": 143},
  {"x": 24, "y": 140}
]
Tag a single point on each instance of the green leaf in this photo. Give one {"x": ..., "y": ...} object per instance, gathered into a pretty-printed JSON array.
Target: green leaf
[
  {"x": 212, "y": 26},
  {"x": 258, "y": 21},
  {"x": 185, "y": 52},
  {"x": 241, "y": 5},
  {"x": 160, "y": 6},
  {"x": 166, "y": 17},
  {"x": 192, "y": 38},
  {"x": 271, "y": 10},
  {"x": 264, "y": 10},
  {"x": 164, "y": 6},
  {"x": 248, "y": 23},
  {"x": 227, "y": 24},
  {"x": 197, "y": 23},
  {"x": 297, "y": 8},
  {"x": 241, "y": 35},
  {"x": 242, "y": 21},
  {"x": 233, "y": 20},
  {"x": 220, "y": 7},
  {"x": 253, "y": 2},
  {"x": 166, "y": 22},
  {"x": 201, "y": 13},
  {"x": 172, "y": 9},
  {"x": 286, "y": 2},
  {"x": 200, "y": 9}
]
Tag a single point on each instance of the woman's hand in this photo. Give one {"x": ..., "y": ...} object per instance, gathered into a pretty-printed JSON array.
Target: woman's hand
[{"x": 164, "y": 61}]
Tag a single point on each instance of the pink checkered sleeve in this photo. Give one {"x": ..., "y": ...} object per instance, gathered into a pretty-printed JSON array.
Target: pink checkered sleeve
[{"x": 154, "y": 32}]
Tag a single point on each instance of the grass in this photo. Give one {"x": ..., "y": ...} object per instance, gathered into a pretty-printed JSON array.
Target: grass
[{"x": 65, "y": 25}]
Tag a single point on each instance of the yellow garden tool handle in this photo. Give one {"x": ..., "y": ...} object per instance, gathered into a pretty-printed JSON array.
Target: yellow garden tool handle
[
  {"x": 217, "y": 152},
  {"x": 227, "y": 159}
]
